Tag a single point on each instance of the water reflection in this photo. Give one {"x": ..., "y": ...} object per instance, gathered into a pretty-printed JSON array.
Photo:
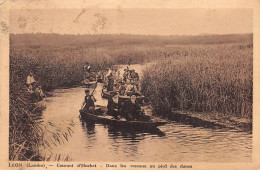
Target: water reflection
[
  {"x": 90, "y": 127},
  {"x": 124, "y": 133},
  {"x": 117, "y": 130}
]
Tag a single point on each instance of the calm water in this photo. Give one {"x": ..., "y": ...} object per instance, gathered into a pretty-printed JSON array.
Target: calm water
[{"x": 173, "y": 142}]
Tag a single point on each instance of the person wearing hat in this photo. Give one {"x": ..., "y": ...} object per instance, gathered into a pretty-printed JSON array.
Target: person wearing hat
[
  {"x": 89, "y": 104},
  {"x": 113, "y": 106},
  {"x": 131, "y": 110}
]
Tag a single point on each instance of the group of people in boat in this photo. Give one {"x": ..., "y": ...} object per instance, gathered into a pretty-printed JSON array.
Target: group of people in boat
[
  {"x": 34, "y": 89},
  {"x": 130, "y": 75},
  {"x": 111, "y": 78},
  {"x": 128, "y": 109},
  {"x": 128, "y": 86}
]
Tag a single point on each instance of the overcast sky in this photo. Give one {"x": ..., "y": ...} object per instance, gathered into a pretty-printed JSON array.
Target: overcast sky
[{"x": 132, "y": 21}]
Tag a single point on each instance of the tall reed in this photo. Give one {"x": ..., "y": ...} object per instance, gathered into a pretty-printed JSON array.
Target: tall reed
[{"x": 216, "y": 79}]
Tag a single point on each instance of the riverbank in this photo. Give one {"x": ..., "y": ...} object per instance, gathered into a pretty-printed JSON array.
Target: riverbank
[
  {"x": 212, "y": 120},
  {"x": 25, "y": 128},
  {"x": 206, "y": 120}
]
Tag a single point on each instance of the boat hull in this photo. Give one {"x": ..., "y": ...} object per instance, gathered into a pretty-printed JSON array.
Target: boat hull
[
  {"x": 109, "y": 120},
  {"x": 106, "y": 94},
  {"x": 89, "y": 84}
]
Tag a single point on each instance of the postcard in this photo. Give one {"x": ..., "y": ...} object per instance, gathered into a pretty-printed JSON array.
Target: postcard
[{"x": 129, "y": 85}]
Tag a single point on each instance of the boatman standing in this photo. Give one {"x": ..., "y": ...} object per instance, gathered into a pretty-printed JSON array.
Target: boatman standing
[
  {"x": 125, "y": 75},
  {"x": 89, "y": 103},
  {"x": 111, "y": 80}
]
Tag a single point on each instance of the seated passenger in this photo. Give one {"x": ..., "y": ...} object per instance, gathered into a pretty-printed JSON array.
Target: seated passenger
[
  {"x": 30, "y": 89},
  {"x": 122, "y": 89},
  {"x": 30, "y": 80},
  {"x": 87, "y": 76},
  {"x": 39, "y": 93},
  {"x": 131, "y": 110},
  {"x": 113, "y": 106},
  {"x": 130, "y": 89}
]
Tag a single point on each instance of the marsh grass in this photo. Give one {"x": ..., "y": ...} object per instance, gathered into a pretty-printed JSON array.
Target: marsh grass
[
  {"x": 216, "y": 79},
  {"x": 60, "y": 67}
]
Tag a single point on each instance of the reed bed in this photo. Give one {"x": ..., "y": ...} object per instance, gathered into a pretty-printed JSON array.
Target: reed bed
[
  {"x": 23, "y": 123},
  {"x": 212, "y": 79},
  {"x": 63, "y": 67},
  {"x": 27, "y": 132}
]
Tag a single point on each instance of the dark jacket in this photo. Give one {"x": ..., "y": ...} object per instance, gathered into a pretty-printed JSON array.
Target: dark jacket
[
  {"x": 88, "y": 103},
  {"x": 131, "y": 111},
  {"x": 113, "y": 108},
  {"x": 125, "y": 76},
  {"x": 110, "y": 86}
]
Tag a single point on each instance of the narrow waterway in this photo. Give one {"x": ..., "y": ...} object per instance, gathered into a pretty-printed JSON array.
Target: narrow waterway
[{"x": 70, "y": 139}]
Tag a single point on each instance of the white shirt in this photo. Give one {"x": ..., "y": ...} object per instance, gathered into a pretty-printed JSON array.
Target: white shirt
[
  {"x": 30, "y": 80},
  {"x": 130, "y": 87}
]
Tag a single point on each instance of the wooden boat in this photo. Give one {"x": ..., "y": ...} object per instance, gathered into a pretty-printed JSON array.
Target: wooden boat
[
  {"x": 103, "y": 118},
  {"x": 89, "y": 83}
]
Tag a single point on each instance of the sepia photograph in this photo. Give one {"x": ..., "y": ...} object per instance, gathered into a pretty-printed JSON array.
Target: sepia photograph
[{"x": 130, "y": 85}]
